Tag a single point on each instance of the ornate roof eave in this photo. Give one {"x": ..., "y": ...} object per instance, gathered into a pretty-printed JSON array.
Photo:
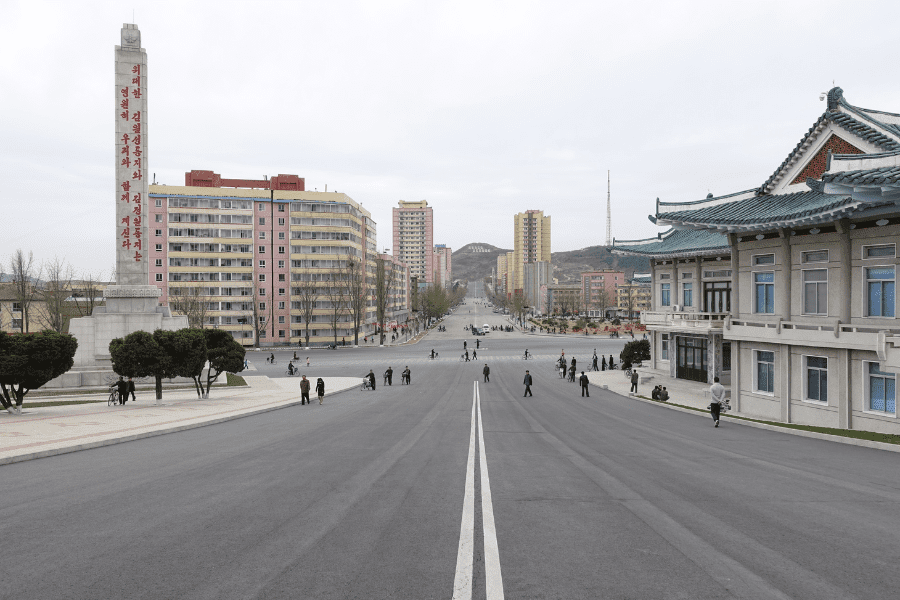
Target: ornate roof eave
[
  {"x": 874, "y": 193},
  {"x": 824, "y": 217},
  {"x": 667, "y": 255}
]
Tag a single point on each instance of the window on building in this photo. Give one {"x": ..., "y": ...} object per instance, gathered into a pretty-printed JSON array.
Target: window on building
[
  {"x": 159, "y": 247},
  {"x": 281, "y": 318},
  {"x": 881, "y": 390},
  {"x": 880, "y": 291},
  {"x": 764, "y": 259},
  {"x": 262, "y": 264},
  {"x": 158, "y": 218},
  {"x": 281, "y": 219},
  {"x": 765, "y": 371},
  {"x": 262, "y": 220},
  {"x": 262, "y": 235},
  {"x": 815, "y": 292},
  {"x": 882, "y": 251},
  {"x": 281, "y": 249},
  {"x": 817, "y": 378},
  {"x": 280, "y": 235},
  {"x": 159, "y": 202},
  {"x": 262, "y": 334},
  {"x": 159, "y": 276},
  {"x": 262, "y": 249},
  {"x": 281, "y": 209},
  {"x": 262, "y": 291},
  {"x": 280, "y": 264},
  {"x": 262, "y": 306},
  {"x": 765, "y": 292},
  {"x": 158, "y": 262},
  {"x": 281, "y": 277},
  {"x": 687, "y": 293},
  {"x": 665, "y": 298},
  {"x": 664, "y": 346},
  {"x": 281, "y": 305},
  {"x": 262, "y": 206},
  {"x": 281, "y": 333},
  {"x": 159, "y": 233},
  {"x": 726, "y": 357},
  {"x": 281, "y": 291},
  {"x": 262, "y": 276},
  {"x": 815, "y": 256}
]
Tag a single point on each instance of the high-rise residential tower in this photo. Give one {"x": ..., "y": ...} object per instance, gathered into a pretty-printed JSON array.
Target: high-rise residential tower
[
  {"x": 532, "y": 243},
  {"x": 414, "y": 239}
]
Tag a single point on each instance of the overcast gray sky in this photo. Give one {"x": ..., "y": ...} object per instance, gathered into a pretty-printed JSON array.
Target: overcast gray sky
[{"x": 483, "y": 108}]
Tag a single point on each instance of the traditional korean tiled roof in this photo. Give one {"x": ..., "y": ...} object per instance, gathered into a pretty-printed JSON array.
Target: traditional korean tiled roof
[
  {"x": 674, "y": 242},
  {"x": 837, "y": 114},
  {"x": 765, "y": 211},
  {"x": 869, "y": 177}
]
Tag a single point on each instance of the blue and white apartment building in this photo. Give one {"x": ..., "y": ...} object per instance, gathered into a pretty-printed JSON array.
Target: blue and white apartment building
[{"x": 787, "y": 290}]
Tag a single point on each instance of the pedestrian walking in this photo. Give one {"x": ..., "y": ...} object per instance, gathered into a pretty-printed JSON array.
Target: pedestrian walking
[
  {"x": 487, "y": 373},
  {"x": 406, "y": 375},
  {"x": 467, "y": 356},
  {"x": 527, "y": 384},
  {"x": 477, "y": 344},
  {"x": 584, "y": 385},
  {"x": 594, "y": 366},
  {"x": 307, "y": 362},
  {"x": 130, "y": 390},
  {"x": 612, "y": 364},
  {"x": 371, "y": 377},
  {"x": 634, "y": 381},
  {"x": 389, "y": 374},
  {"x": 603, "y": 364},
  {"x": 474, "y": 354},
  {"x": 122, "y": 387},
  {"x": 464, "y": 345},
  {"x": 304, "y": 391},
  {"x": 717, "y": 393},
  {"x": 573, "y": 362},
  {"x": 320, "y": 390}
]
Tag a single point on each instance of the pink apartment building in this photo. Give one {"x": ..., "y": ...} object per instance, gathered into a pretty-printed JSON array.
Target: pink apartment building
[{"x": 413, "y": 229}]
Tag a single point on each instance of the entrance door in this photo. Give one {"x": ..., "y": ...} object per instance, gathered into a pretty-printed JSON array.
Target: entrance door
[
  {"x": 717, "y": 297},
  {"x": 691, "y": 357}
]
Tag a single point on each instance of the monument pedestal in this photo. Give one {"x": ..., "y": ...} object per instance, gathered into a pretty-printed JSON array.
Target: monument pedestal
[{"x": 128, "y": 308}]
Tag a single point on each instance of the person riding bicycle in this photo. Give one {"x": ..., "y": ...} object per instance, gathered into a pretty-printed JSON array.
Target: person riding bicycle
[
  {"x": 291, "y": 368},
  {"x": 272, "y": 358},
  {"x": 527, "y": 356},
  {"x": 432, "y": 353}
]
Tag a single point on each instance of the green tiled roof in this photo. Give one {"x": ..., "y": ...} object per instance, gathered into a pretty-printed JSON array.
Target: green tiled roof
[
  {"x": 674, "y": 242},
  {"x": 872, "y": 177}
]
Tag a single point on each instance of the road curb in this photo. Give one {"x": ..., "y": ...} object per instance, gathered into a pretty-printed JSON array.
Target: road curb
[
  {"x": 147, "y": 434},
  {"x": 799, "y": 432}
]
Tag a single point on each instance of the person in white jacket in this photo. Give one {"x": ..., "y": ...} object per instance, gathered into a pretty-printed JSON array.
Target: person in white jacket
[{"x": 717, "y": 393}]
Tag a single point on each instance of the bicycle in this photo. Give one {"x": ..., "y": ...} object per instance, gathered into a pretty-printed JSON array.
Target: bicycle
[
  {"x": 434, "y": 356},
  {"x": 528, "y": 356},
  {"x": 462, "y": 357},
  {"x": 272, "y": 361},
  {"x": 113, "y": 397},
  {"x": 296, "y": 373}
]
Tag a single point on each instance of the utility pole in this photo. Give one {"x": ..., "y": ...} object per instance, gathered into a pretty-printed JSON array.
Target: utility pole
[{"x": 608, "y": 213}]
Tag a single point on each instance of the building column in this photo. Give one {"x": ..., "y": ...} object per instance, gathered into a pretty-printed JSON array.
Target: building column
[
  {"x": 653, "y": 304},
  {"x": 736, "y": 376},
  {"x": 845, "y": 404},
  {"x": 654, "y": 348},
  {"x": 843, "y": 227},
  {"x": 735, "y": 278},
  {"x": 783, "y": 290},
  {"x": 698, "y": 286},
  {"x": 785, "y": 386},
  {"x": 673, "y": 355},
  {"x": 713, "y": 356}
]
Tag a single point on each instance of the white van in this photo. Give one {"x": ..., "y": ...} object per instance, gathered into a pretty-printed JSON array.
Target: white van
[{"x": 485, "y": 329}]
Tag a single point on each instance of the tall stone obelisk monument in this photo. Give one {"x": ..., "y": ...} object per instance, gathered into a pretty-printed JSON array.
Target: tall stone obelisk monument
[{"x": 132, "y": 304}]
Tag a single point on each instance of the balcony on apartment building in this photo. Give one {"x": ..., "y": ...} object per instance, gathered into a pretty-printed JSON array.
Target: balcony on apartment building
[
  {"x": 822, "y": 333},
  {"x": 680, "y": 320}
]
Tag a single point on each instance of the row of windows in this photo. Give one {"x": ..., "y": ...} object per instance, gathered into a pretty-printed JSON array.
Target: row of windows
[
  {"x": 880, "y": 386},
  {"x": 207, "y": 218},
  {"x": 202, "y": 247}
]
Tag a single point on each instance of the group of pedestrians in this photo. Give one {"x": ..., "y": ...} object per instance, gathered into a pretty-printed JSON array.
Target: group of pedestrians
[
  {"x": 304, "y": 390},
  {"x": 125, "y": 388}
]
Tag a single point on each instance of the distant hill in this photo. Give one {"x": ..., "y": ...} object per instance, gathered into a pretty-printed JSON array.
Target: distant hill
[{"x": 474, "y": 261}]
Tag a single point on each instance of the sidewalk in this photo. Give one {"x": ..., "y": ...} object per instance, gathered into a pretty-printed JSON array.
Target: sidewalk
[{"x": 47, "y": 431}]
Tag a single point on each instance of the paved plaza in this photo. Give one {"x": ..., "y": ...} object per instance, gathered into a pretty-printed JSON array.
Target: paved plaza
[{"x": 451, "y": 487}]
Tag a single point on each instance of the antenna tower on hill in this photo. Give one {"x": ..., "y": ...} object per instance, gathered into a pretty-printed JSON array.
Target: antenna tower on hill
[{"x": 608, "y": 213}]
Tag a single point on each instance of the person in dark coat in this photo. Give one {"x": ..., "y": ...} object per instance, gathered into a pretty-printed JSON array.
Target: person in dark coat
[
  {"x": 573, "y": 362},
  {"x": 320, "y": 390},
  {"x": 371, "y": 377},
  {"x": 304, "y": 391},
  {"x": 389, "y": 375},
  {"x": 572, "y": 373},
  {"x": 131, "y": 390},
  {"x": 584, "y": 385},
  {"x": 122, "y": 388},
  {"x": 603, "y": 364},
  {"x": 487, "y": 373},
  {"x": 612, "y": 363},
  {"x": 634, "y": 381},
  {"x": 664, "y": 395},
  {"x": 594, "y": 366},
  {"x": 406, "y": 375},
  {"x": 654, "y": 395},
  {"x": 527, "y": 384},
  {"x": 467, "y": 356}
]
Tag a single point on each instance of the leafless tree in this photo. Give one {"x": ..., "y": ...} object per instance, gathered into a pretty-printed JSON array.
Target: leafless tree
[
  {"x": 191, "y": 302},
  {"x": 53, "y": 309},
  {"x": 357, "y": 290},
  {"x": 384, "y": 289},
  {"x": 86, "y": 294},
  {"x": 25, "y": 275},
  {"x": 337, "y": 301},
  {"x": 307, "y": 294},
  {"x": 262, "y": 316}
]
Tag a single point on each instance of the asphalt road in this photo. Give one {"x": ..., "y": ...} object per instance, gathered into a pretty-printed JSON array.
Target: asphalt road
[{"x": 365, "y": 497}]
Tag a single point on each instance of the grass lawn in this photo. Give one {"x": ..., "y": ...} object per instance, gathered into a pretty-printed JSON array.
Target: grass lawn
[{"x": 887, "y": 438}]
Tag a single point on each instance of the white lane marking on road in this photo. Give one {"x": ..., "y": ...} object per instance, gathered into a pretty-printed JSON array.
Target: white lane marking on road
[
  {"x": 465, "y": 556},
  {"x": 493, "y": 577}
]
